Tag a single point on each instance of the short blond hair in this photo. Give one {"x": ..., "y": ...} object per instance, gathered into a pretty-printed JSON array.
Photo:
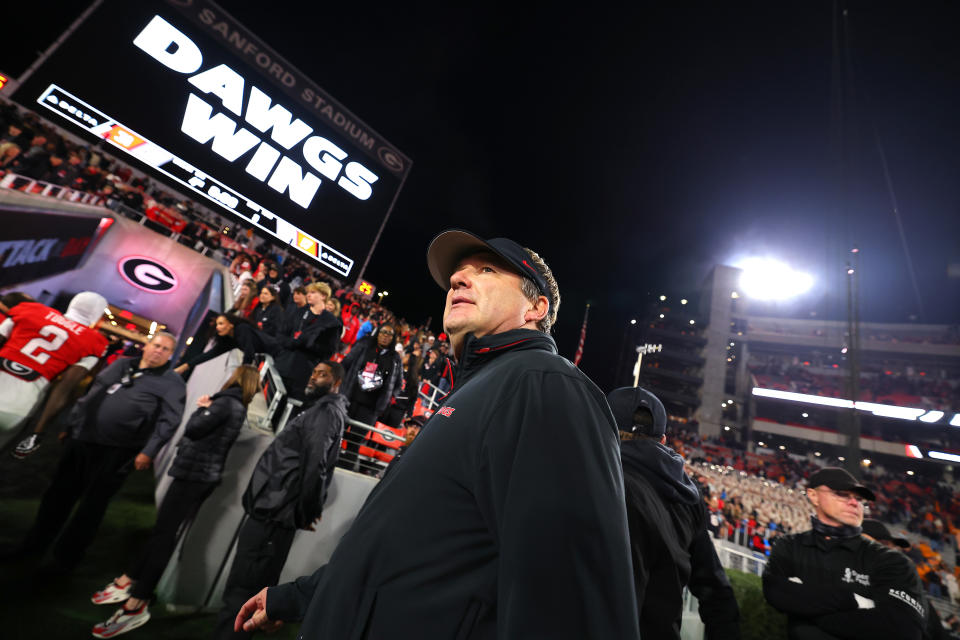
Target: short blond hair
[{"x": 320, "y": 287}]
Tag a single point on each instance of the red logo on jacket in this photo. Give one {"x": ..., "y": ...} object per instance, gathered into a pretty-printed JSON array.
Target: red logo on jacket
[{"x": 446, "y": 412}]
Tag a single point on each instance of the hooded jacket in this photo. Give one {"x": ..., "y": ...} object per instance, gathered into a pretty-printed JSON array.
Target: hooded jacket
[
  {"x": 671, "y": 547},
  {"x": 290, "y": 481},
  {"x": 208, "y": 436},
  {"x": 504, "y": 519}
]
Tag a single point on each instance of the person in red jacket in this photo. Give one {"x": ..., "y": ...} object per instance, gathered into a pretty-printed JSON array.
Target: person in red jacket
[
  {"x": 37, "y": 344},
  {"x": 351, "y": 324}
]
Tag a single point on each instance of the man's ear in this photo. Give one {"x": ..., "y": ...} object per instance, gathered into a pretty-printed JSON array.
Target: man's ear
[
  {"x": 538, "y": 310},
  {"x": 335, "y": 388}
]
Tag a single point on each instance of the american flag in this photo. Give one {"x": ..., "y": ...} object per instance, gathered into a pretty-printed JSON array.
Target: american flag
[{"x": 583, "y": 337}]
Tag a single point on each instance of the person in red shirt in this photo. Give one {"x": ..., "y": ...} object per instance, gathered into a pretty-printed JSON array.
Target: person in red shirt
[{"x": 37, "y": 344}]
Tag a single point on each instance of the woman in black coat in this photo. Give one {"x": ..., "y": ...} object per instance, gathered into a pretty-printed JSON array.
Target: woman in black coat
[
  {"x": 373, "y": 373},
  {"x": 231, "y": 332},
  {"x": 268, "y": 316},
  {"x": 196, "y": 471}
]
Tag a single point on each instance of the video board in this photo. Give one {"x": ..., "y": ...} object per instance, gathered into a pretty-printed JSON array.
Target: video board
[{"x": 186, "y": 90}]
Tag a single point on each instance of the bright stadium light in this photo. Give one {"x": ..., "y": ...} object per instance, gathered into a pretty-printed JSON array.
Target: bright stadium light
[
  {"x": 769, "y": 279},
  {"x": 931, "y": 416}
]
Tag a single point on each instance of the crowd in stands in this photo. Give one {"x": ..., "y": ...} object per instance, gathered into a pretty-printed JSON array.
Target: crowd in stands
[
  {"x": 270, "y": 283},
  {"x": 948, "y": 336},
  {"x": 884, "y": 383},
  {"x": 753, "y": 497}
]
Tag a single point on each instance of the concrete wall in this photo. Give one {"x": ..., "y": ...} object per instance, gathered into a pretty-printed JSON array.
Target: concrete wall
[{"x": 196, "y": 574}]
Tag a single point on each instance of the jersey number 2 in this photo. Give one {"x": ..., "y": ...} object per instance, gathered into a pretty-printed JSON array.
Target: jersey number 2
[{"x": 55, "y": 339}]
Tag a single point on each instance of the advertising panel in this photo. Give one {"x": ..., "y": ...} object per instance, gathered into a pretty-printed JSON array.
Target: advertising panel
[
  {"x": 210, "y": 109},
  {"x": 39, "y": 245}
]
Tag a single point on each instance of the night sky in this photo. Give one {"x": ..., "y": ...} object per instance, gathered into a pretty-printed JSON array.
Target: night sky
[{"x": 634, "y": 150}]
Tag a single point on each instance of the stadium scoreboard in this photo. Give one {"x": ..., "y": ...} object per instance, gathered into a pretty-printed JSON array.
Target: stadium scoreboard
[{"x": 186, "y": 90}]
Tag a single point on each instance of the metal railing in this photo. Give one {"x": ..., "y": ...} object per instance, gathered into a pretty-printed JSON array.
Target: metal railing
[
  {"x": 18, "y": 182},
  {"x": 739, "y": 559},
  {"x": 432, "y": 399}
]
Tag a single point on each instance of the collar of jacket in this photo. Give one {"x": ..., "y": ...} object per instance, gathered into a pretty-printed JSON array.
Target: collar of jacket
[
  {"x": 478, "y": 352},
  {"x": 813, "y": 539},
  {"x": 233, "y": 392},
  {"x": 155, "y": 371},
  {"x": 337, "y": 399}
]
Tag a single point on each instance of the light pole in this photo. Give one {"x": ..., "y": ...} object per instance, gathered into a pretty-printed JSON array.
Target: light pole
[{"x": 641, "y": 350}]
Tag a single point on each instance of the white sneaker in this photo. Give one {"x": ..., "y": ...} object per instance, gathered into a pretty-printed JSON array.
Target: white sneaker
[
  {"x": 111, "y": 594},
  {"x": 121, "y": 622},
  {"x": 26, "y": 446}
]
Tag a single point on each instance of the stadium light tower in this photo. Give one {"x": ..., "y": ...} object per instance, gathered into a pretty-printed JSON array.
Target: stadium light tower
[{"x": 770, "y": 279}]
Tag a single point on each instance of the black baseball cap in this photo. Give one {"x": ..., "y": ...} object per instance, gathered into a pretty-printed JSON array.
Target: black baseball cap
[
  {"x": 449, "y": 247},
  {"x": 625, "y": 401},
  {"x": 879, "y": 531},
  {"x": 839, "y": 480}
]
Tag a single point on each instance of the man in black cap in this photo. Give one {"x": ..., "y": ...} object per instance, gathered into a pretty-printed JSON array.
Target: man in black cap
[
  {"x": 667, "y": 519},
  {"x": 513, "y": 489},
  {"x": 832, "y": 582}
]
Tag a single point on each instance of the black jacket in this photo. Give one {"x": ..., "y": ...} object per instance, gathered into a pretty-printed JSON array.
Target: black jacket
[
  {"x": 289, "y": 484},
  {"x": 389, "y": 365},
  {"x": 131, "y": 408},
  {"x": 269, "y": 320},
  {"x": 312, "y": 339},
  {"x": 291, "y": 318},
  {"x": 208, "y": 436},
  {"x": 504, "y": 519},
  {"x": 821, "y": 605},
  {"x": 671, "y": 546}
]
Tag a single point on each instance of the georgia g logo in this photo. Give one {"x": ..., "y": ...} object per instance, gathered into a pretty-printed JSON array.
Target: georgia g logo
[{"x": 148, "y": 274}]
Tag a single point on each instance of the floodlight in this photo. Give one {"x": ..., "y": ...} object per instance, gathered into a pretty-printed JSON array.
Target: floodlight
[{"x": 768, "y": 279}]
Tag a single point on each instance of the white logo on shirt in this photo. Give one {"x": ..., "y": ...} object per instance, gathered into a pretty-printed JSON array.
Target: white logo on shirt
[{"x": 851, "y": 576}]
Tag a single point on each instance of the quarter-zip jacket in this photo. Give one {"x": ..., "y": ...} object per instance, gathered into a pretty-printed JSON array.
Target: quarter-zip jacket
[
  {"x": 131, "y": 408},
  {"x": 812, "y": 578},
  {"x": 504, "y": 519}
]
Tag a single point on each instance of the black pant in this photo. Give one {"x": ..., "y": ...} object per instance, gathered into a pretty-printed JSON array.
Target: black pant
[
  {"x": 262, "y": 549},
  {"x": 356, "y": 436},
  {"x": 179, "y": 505},
  {"x": 88, "y": 473}
]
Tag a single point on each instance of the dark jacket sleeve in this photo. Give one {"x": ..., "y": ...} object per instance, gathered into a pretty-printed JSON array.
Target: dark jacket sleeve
[
  {"x": 391, "y": 386},
  {"x": 351, "y": 366},
  {"x": 899, "y": 612},
  {"x": 206, "y": 420},
  {"x": 804, "y": 600},
  {"x": 711, "y": 587},
  {"x": 318, "y": 430},
  {"x": 289, "y": 601},
  {"x": 550, "y": 488},
  {"x": 320, "y": 339},
  {"x": 169, "y": 413},
  {"x": 220, "y": 347}
]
